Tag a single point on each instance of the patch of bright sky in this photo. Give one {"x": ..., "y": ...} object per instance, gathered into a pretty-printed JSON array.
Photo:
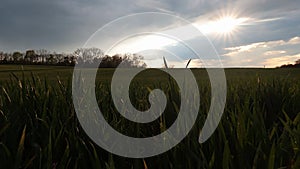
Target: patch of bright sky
[{"x": 161, "y": 40}]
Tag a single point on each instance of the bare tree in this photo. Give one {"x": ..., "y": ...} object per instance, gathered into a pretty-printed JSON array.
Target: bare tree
[
  {"x": 87, "y": 55},
  {"x": 1, "y": 56},
  {"x": 133, "y": 60},
  {"x": 52, "y": 59},
  {"x": 42, "y": 54}
]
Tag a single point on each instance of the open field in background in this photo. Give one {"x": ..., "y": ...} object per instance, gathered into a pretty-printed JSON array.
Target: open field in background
[
  {"x": 65, "y": 73},
  {"x": 260, "y": 127}
]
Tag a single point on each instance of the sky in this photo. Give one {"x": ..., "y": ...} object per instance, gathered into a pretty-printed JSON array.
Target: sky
[{"x": 257, "y": 33}]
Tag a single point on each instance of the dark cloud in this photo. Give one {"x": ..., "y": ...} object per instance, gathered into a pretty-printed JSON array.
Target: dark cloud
[
  {"x": 33, "y": 23},
  {"x": 58, "y": 25}
]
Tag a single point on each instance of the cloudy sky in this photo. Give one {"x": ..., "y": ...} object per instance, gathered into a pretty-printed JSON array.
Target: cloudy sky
[{"x": 244, "y": 33}]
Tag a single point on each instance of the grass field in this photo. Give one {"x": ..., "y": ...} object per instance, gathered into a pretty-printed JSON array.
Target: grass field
[{"x": 260, "y": 127}]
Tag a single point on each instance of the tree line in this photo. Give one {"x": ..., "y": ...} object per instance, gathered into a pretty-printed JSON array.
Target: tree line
[
  {"x": 85, "y": 56},
  {"x": 296, "y": 65}
]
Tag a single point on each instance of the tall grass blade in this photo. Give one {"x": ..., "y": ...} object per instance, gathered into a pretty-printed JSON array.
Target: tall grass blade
[
  {"x": 20, "y": 149},
  {"x": 165, "y": 62},
  {"x": 271, "y": 161},
  {"x": 188, "y": 63},
  {"x": 226, "y": 156}
]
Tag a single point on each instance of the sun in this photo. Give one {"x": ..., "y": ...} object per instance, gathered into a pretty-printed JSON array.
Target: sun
[{"x": 225, "y": 25}]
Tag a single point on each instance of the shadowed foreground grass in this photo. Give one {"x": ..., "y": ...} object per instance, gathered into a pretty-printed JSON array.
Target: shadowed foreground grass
[{"x": 260, "y": 127}]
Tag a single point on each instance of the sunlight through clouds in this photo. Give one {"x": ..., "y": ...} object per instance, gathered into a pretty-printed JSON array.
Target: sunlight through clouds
[
  {"x": 274, "y": 52},
  {"x": 236, "y": 51},
  {"x": 278, "y": 61},
  {"x": 140, "y": 43},
  {"x": 225, "y": 25},
  {"x": 270, "y": 53}
]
